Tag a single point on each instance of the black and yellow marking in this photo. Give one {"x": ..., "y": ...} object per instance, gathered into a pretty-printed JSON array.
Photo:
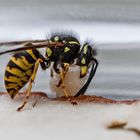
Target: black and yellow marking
[
  {"x": 61, "y": 49},
  {"x": 48, "y": 52},
  {"x": 19, "y": 70},
  {"x": 31, "y": 80},
  {"x": 56, "y": 38},
  {"x": 74, "y": 42},
  {"x": 66, "y": 49}
]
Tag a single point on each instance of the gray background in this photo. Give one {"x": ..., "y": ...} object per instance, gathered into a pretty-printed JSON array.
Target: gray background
[{"x": 66, "y": 10}]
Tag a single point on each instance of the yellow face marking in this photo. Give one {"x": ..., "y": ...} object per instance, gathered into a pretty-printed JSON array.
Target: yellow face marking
[
  {"x": 32, "y": 54},
  {"x": 83, "y": 61},
  {"x": 84, "y": 70},
  {"x": 49, "y": 52},
  {"x": 73, "y": 42},
  {"x": 85, "y": 49},
  {"x": 56, "y": 38},
  {"x": 66, "y": 49}
]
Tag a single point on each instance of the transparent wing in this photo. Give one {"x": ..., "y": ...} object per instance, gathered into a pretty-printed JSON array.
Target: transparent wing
[
  {"x": 30, "y": 45},
  {"x": 21, "y": 42}
]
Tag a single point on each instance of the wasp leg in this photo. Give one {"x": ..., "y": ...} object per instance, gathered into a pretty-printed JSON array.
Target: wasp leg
[
  {"x": 62, "y": 83},
  {"x": 34, "y": 104},
  {"x": 30, "y": 84},
  {"x": 92, "y": 73},
  {"x": 65, "y": 69},
  {"x": 51, "y": 74}
]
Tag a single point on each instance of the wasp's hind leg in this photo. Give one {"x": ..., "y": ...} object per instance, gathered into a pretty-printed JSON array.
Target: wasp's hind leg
[{"x": 31, "y": 81}]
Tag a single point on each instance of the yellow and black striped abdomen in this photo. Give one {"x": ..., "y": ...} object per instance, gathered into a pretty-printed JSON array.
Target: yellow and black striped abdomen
[{"x": 19, "y": 70}]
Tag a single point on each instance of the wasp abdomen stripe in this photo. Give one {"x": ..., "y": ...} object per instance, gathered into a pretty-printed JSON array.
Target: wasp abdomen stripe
[
  {"x": 29, "y": 56},
  {"x": 19, "y": 70},
  {"x": 32, "y": 54}
]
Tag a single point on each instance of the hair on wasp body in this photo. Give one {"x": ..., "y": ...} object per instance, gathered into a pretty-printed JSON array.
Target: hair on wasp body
[{"x": 62, "y": 51}]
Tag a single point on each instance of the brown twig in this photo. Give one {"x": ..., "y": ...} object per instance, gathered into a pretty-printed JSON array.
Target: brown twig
[{"x": 123, "y": 126}]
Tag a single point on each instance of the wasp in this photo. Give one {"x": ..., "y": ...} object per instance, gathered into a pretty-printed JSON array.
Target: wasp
[{"x": 62, "y": 50}]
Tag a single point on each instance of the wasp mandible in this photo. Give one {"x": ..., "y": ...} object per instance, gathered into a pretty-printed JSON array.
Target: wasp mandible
[{"x": 62, "y": 50}]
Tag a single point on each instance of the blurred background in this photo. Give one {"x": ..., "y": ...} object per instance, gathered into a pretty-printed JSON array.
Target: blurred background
[{"x": 112, "y": 25}]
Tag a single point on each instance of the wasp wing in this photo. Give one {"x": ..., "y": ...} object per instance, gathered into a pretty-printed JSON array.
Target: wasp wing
[
  {"x": 32, "y": 45},
  {"x": 21, "y": 42}
]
